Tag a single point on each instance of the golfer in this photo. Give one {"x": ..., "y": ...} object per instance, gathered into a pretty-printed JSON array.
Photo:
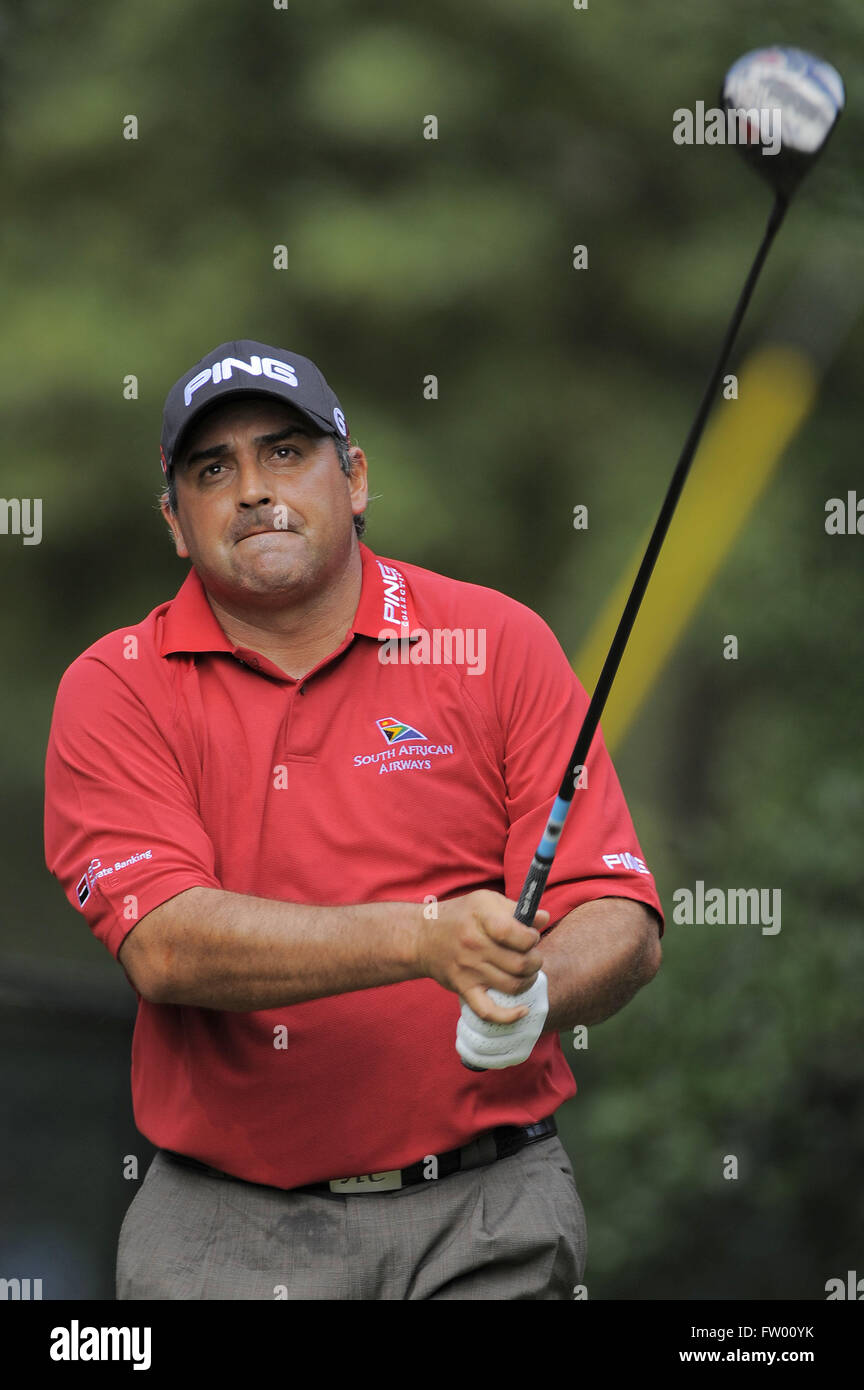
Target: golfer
[{"x": 297, "y": 803}]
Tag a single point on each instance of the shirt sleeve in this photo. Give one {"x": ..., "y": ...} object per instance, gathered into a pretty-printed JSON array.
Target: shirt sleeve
[
  {"x": 122, "y": 832},
  {"x": 541, "y": 706}
]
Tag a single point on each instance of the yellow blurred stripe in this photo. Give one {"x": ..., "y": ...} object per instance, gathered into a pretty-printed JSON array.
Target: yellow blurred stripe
[{"x": 739, "y": 453}]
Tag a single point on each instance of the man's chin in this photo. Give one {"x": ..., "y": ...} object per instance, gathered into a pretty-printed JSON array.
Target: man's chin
[
  {"x": 284, "y": 566},
  {"x": 251, "y": 576},
  {"x": 274, "y": 578}
]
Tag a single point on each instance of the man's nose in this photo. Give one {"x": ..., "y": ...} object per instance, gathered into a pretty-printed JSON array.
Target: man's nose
[{"x": 255, "y": 485}]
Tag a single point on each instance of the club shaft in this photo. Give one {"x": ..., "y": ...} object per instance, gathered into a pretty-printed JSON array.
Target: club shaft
[
  {"x": 541, "y": 864},
  {"x": 535, "y": 881}
]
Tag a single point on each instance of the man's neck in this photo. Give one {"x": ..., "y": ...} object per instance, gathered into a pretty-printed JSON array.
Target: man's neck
[{"x": 297, "y": 637}]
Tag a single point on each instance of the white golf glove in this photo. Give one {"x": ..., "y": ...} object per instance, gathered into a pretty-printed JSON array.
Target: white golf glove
[{"x": 494, "y": 1046}]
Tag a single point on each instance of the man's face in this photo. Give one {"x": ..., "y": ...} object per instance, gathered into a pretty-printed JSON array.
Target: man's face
[{"x": 258, "y": 465}]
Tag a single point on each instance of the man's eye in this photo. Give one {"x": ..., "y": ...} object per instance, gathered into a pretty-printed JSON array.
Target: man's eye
[
  {"x": 205, "y": 471},
  {"x": 283, "y": 450}
]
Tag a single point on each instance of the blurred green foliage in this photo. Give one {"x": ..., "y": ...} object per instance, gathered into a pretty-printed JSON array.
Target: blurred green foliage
[{"x": 406, "y": 256}]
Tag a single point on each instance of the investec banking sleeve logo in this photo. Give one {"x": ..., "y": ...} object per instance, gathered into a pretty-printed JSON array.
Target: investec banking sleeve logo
[
  {"x": 407, "y": 749},
  {"x": 82, "y": 888},
  {"x": 96, "y": 870}
]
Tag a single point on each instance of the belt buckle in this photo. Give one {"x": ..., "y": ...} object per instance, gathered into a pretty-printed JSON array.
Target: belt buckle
[{"x": 369, "y": 1182}]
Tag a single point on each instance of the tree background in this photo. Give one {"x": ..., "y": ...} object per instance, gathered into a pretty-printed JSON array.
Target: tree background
[{"x": 303, "y": 127}]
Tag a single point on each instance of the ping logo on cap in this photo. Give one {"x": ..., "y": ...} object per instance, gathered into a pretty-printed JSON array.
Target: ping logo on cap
[{"x": 256, "y": 366}]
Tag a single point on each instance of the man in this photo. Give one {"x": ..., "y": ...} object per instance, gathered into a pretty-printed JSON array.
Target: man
[{"x": 297, "y": 803}]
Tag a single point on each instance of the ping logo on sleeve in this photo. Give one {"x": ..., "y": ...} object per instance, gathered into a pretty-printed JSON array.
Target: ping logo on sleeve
[{"x": 625, "y": 860}]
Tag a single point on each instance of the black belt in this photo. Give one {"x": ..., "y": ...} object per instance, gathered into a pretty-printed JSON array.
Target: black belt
[{"x": 485, "y": 1148}]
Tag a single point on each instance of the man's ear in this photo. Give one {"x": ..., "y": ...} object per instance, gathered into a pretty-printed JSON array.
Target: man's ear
[
  {"x": 174, "y": 527},
  {"x": 358, "y": 482}
]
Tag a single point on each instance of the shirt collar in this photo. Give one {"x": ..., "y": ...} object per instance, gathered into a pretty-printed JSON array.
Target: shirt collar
[
  {"x": 386, "y": 607},
  {"x": 385, "y": 610}
]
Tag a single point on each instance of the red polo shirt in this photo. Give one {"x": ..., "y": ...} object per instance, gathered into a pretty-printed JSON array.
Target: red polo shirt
[{"x": 176, "y": 759}]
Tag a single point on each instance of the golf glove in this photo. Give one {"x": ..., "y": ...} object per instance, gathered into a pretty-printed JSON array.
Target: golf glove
[{"x": 494, "y": 1046}]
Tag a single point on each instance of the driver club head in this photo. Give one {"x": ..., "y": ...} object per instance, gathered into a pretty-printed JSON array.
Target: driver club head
[{"x": 797, "y": 96}]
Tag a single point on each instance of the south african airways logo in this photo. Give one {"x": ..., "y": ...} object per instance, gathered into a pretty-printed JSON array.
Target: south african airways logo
[
  {"x": 407, "y": 749},
  {"x": 394, "y": 731}
]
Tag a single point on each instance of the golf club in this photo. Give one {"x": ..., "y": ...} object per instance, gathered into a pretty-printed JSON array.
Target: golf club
[{"x": 807, "y": 95}]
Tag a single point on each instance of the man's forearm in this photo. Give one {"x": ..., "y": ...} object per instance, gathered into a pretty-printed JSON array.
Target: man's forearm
[
  {"x": 221, "y": 950},
  {"x": 596, "y": 958}
]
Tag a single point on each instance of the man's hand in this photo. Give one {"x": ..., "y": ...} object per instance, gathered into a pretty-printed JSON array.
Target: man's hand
[
  {"x": 476, "y": 944},
  {"x": 493, "y": 1046}
]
